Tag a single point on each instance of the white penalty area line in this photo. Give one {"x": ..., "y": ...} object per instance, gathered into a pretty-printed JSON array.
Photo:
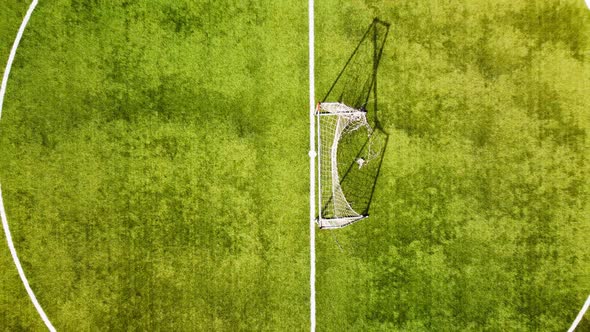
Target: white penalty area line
[
  {"x": 312, "y": 156},
  {"x": 19, "y": 267},
  {"x": 580, "y": 315}
]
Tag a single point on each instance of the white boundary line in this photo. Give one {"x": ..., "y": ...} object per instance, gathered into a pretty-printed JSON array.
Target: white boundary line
[
  {"x": 312, "y": 156},
  {"x": 19, "y": 268},
  {"x": 580, "y": 315}
]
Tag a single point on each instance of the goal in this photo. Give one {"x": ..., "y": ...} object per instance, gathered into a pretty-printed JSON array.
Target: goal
[
  {"x": 337, "y": 122},
  {"x": 350, "y": 138}
]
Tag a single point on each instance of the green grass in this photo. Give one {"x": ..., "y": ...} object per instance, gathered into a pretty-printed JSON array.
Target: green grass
[
  {"x": 480, "y": 221},
  {"x": 151, "y": 166},
  {"x": 154, "y": 167}
]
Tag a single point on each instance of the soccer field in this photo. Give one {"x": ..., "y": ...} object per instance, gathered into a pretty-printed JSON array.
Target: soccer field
[{"x": 154, "y": 167}]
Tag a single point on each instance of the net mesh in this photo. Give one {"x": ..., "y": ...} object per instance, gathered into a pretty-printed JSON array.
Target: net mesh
[{"x": 336, "y": 121}]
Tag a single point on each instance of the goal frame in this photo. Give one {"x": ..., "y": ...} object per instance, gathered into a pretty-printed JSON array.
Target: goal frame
[{"x": 338, "y": 222}]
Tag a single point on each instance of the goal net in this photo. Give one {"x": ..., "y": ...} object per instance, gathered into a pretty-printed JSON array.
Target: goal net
[
  {"x": 350, "y": 142},
  {"x": 334, "y": 122}
]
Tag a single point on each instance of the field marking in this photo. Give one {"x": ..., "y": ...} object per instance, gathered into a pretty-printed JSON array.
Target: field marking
[
  {"x": 19, "y": 267},
  {"x": 580, "y": 315},
  {"x": 312, "y": 156}
]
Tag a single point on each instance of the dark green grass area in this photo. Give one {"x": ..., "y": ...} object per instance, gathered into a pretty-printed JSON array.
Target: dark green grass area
[
  {"x": 480, "y": 219},
  {"x": 153, "y": 166},
  {"x": 12, "y": 15}
]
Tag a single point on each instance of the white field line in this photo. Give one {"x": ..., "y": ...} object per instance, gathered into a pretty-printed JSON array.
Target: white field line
[
  {"x": 19, "y": 268},
  {"x": 312, "y": 156},
  {"x": 580, "y": 315}
]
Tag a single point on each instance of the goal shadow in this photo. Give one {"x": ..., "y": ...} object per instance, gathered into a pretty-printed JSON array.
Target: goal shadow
[{"x": 360, "y": 155}]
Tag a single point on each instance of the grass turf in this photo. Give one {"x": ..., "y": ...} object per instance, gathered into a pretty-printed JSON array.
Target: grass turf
[
  {"x": 155, "y": 175},
  {"x": 151, "y": 166}
]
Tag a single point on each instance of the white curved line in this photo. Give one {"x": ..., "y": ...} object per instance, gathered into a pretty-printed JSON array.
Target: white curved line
[
  {"x": 580, "y": 315},
  {"x": 19, "y": 268}
]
